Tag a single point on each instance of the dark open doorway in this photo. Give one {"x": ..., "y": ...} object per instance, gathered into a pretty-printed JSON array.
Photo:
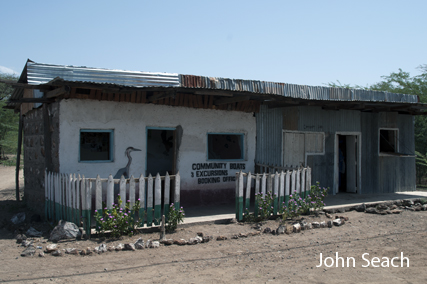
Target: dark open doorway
[
  {"x": 161, "y": 151},
  {"x": 347, "y": 163}
]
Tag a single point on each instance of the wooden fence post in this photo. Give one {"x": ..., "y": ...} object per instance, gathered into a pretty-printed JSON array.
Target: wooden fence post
[
  {"x": 236, "y": 195},
  {"x": 158, "y": 200},
  {"x": 122, "y": 185},
  {"x": 132, "y": 191},
  {"x": 275, "y": 193},
  {"x": 287, "y": 187},
  {"x": 51, "y": 197},
  {"x": 166, "y": 200},
  {"x": 270, "y": 183},
  {"x": 83, "y": 199},
  {"x": 308, "y": 183},
  {"x": 303, "y": 189},
  {"x": 177, "y": 191},
  {"x": 282, "y": 188},
  {"x": 294, "y": 182},
  {"x": 64, "y": 193},
  {"x": 142, "y": 200},
  {"x": 257, "y": 191},
  {"x": 110, "y": 193},
  {"x": 71, "y": 195},
  {"x": 263, "y": 184},
  {"x": 248, "y": 192},
  {"x": 57, "y": 197},
  {"x": 88, "y": 186},
  {"x": 150, "y": 201},
  {"x": 240, "y": 206},
  {"x": 77, "y": 213}
]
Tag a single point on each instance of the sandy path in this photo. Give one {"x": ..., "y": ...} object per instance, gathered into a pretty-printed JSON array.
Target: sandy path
[
  {"x": 257, "y": 259},
  {"x": 7, "y": 182}
]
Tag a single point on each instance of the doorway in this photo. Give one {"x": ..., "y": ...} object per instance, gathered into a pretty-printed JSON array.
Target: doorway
[
  {"x": 347, "y": 163},
  {"x": 161, "y": 151}
]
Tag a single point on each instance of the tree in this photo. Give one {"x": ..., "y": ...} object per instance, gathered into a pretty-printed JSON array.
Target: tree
[
  {"x": 403, "y": 83},
  {"x": 9, "y": 121}
]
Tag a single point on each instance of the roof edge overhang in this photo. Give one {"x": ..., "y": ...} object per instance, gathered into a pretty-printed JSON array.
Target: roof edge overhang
[{"x": 272, "y": 94}]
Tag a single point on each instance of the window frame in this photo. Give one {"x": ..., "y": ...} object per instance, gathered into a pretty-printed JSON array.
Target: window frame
[
  {"x": 111, "y": 148},
  {"x": 306, "y": 152},
  {"x": 242, "y": 142},
  {"x": 396, "y": 138}
]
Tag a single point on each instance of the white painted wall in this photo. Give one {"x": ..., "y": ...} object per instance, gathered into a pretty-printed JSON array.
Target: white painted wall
[{"x": 129, "y": 122}]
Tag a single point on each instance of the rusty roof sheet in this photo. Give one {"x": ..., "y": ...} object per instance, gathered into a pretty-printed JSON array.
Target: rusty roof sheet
[
  {"x": 294, "y": 91},
  {"x": 40, "y": 73}
]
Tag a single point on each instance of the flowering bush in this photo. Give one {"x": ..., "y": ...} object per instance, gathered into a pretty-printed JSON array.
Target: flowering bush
[
  {"x": 317, "y": 195},
  {"x": 174, "y": 218},
  {"x": 265, "y": 205},
  {"x": 119, "y": 221},
  {"x": 298, "y": 205}
]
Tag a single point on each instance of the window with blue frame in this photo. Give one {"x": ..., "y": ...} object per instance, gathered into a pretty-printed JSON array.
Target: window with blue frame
[
  {"x": 225, "y": 146},
  {"x": 96, "y": 145}
]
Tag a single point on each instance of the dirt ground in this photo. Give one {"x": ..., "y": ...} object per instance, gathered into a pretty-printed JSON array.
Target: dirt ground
[{"x": 256, "y": 259}]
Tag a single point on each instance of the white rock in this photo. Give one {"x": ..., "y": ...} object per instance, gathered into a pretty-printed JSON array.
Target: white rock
[
  {"x": 102, "y": 248},
  {"x": 64, "y": 230},
  {"x": 139, "y": 244},
  {"x": 52, "y": 247},
  {"x": 120, "y": 246}
]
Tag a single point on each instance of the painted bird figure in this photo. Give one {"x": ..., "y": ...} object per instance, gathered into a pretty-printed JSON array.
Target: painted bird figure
[{"x": 125, "y": 171}]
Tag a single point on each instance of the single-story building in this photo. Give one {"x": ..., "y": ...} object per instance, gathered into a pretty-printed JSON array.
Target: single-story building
[{"x": 94, "y": 121}]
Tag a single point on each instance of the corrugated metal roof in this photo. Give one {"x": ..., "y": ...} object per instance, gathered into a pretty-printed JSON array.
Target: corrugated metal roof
[
  {"x": 39, "y": 73},
  {"x": 294, "y": 91}
]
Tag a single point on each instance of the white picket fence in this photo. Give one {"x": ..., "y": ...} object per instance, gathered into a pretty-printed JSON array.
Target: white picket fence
[
  {"x": 75, "y": 198},
  {"x": 280, "y": 184}
]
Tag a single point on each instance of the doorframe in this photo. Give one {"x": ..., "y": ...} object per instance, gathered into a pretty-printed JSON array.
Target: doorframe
[
  {"x": 146, "y": 146},
  {"x": 358, "y": 161}
]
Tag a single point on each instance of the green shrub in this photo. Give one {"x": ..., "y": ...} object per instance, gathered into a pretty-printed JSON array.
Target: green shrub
[
  {"x": 119, "y": 221},
  {"x": 174, "y": 218}
]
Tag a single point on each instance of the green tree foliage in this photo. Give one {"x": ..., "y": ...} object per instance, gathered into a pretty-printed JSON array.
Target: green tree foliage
[
  {"x": 9, "y": 120},
  {"x": 403, "y": 83}
]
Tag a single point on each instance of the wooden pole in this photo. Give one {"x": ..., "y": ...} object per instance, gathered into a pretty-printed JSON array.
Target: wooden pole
[{"x": 18, "y": 157}]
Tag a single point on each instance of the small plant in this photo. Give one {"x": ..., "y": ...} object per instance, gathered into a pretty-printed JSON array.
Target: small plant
[
  {"x": 317, "y": 195},
  {"x": 297, "y": 205},
  {"x": 248, "y": 217},
  {"x": 119, "y": 221},
  {"x": 283, "y": 210},
  {"x": 174, "y": 218},
  {"x": 265, "y": 205}
]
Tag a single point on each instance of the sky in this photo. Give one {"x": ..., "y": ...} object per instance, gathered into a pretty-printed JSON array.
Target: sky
[{"x": 300, "y": 42}]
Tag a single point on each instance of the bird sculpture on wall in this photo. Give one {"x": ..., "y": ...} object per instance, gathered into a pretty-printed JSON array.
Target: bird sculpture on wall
[{"x": 125, "y": 171}]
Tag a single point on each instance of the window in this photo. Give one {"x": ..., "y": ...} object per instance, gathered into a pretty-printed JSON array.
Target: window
[
  {"x": 96, "y": 145},
  {"x": 388, "y": 141},
  {"x": 296, "y": 145},
  {"x": 225, "y": 146}
]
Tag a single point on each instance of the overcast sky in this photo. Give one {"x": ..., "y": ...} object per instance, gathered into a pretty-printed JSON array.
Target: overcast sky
[{"x": 300, "y": 42}]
